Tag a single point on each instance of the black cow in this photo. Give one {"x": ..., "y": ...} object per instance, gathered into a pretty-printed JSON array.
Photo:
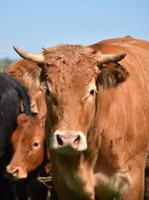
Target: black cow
[{"x": 11, "y": 95}]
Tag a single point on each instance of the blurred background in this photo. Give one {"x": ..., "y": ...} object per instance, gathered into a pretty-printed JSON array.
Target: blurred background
[{"x": 33, "y": 24}]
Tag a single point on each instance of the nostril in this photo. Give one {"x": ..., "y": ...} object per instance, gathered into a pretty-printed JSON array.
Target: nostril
[
  {"x": 59, "y": 140},
  {"x": 77, "y": 139},
  {"x": 15, "y": 171}
]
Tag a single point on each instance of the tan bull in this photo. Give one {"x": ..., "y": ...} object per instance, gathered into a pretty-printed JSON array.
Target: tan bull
[{"x": 100, "y": 102}]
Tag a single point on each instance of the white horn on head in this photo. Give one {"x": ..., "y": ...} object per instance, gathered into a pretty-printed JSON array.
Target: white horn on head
[
  {"x": 38, "y": 58},
  {"x": 106, "y": 58}
]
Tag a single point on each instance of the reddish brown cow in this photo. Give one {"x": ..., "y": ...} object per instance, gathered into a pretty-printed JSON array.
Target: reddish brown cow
[
  {"x": 100, "y": 138},
  {"x": 28, "y": 139}
]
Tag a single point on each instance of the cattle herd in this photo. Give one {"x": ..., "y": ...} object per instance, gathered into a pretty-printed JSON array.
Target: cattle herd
[{"x": 76, "y": 117}]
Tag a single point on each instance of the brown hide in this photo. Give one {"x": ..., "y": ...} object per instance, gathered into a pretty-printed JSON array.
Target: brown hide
[{"x": 114, "y": 120}]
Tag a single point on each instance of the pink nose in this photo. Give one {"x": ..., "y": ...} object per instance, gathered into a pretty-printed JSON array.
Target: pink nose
[
  {"x": 75, "y": 140},
  {"x": 66, "y": 140}
]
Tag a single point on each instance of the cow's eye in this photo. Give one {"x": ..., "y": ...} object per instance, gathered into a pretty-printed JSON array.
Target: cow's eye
[
  {"x": 90, "y": 95},
  {"x": 35, "y": 144},
  {"x": 93, "y": 92}
]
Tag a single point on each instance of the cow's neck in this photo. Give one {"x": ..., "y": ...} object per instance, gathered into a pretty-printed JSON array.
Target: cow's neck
[
  {"x": 75, "y": 171},
  {"x": 73, "y": 162}
]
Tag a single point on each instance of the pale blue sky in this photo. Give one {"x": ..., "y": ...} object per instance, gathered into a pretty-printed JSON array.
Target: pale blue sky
[{"x": 33, "y": 24}]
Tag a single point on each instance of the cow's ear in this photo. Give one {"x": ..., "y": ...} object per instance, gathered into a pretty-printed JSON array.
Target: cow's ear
[
  {"x": 22, "y": 118},
  {"x": 111, "y": 74}
]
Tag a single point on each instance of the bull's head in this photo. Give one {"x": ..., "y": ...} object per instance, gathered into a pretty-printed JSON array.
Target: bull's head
[{"x": 74, "y": 75}]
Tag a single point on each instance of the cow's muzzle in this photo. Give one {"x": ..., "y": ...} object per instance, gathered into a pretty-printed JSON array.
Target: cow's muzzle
[
  {"x": 68, "y": 141},
  {"x": 16, "y": 172}
]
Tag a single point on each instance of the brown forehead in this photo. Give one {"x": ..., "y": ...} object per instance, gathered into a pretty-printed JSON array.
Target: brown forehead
[
  {"x": 31, "y": 128},
  {"x": 70, "y": 65}
]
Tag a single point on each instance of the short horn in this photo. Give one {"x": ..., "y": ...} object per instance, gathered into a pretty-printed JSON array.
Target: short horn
[
  {"x": 106, "y": 58},
  {"x": 38, "y": 58}
]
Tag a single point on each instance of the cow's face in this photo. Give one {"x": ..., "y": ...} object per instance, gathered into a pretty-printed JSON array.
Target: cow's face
[
  {"x": 72, "y": 75},
  {"x": 28, "y": 146},
  {"x": 74, "y": 109}
]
